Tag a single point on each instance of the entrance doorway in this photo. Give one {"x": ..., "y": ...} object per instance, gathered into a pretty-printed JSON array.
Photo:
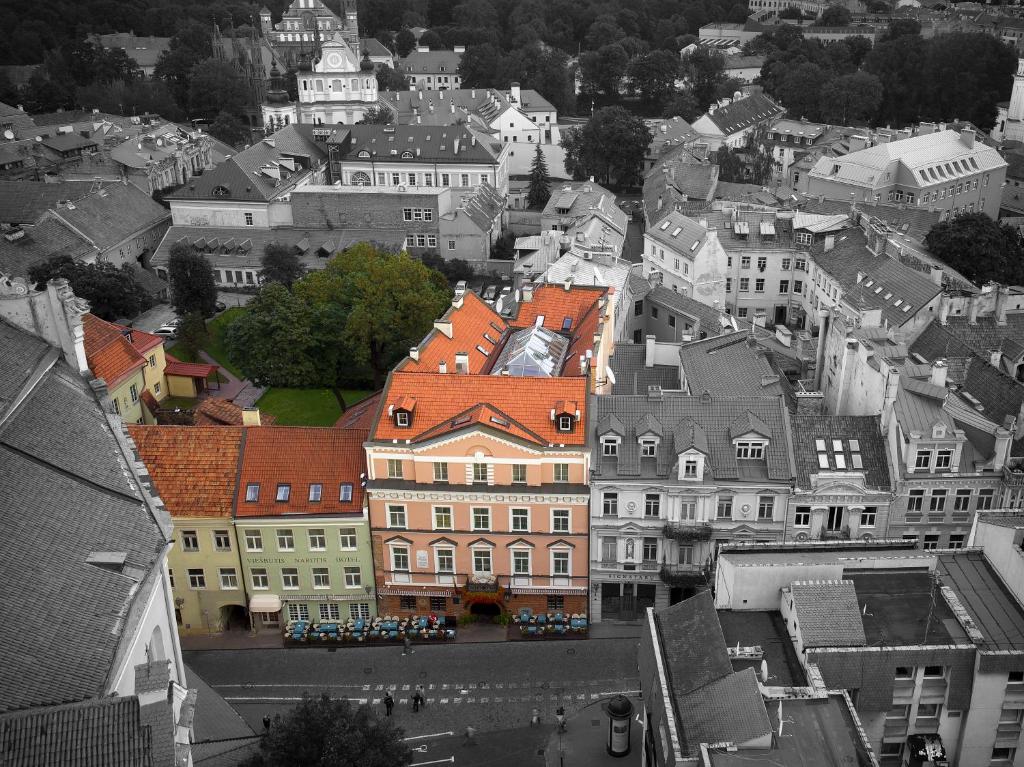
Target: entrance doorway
[
  {"x": 780, "y": 315},
  {"x": 625, "y": 601},
  {"x": 234, "y": 618},
  {"x": 485, "y": 611}
]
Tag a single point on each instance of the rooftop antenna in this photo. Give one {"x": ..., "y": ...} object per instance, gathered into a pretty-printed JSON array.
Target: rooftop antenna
[{"x": 781, "y": 720}]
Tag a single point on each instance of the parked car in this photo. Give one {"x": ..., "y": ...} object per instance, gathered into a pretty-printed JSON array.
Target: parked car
[
  {"x": 490, "y": 293},
  {"x": 167, "y": 331},
  {"x": 221, "y": 306}
]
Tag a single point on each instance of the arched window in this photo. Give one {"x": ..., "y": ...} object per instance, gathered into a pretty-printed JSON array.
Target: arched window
[
  {"x": 363, "y": 153},
  {"x": 319, "y": 84},
  {"x": 221, "y": 191},
  {"x": 305, "y": 85},
  {"x": 360, "y": 179},
  {"x": 407, "y": 155},
  {"x": 155, "y": 647}
]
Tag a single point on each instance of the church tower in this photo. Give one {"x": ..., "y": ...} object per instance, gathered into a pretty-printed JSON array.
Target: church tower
[{"x": 278, "y": 110}]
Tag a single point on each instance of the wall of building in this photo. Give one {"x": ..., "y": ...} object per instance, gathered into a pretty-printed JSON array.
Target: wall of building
[
  {"x": 200, "y": 609},
  {"x": 156, "y": 382},
  {"x": 129, "y": 404},
  {"x": 1002, "y": 547},
  {"x": 739, "y": 587},
  {"x": 660, "y": 739},
  {"x": 229, "y": 214},
  {"x": 780, "y": 264},
  {"x": 981, "y": 728}
]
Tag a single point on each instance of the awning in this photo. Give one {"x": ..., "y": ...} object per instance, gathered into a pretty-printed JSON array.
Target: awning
[
  {"x": 565, "y": 590},
  {"x": 292, "y": 598},
  {"x": 414, "y": 593},
  {"x": 265, "y": 603}
]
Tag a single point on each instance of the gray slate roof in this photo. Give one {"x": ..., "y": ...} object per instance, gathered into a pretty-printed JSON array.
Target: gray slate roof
[
  {"x": 828, "y": 613},
  {"x": 23, "y": 202},
  {"x": 216, "y": 720},
  {"x": 66, "y": 491},
  {"x": 715, "y": 416},
  {"x": 744, "y": 113},
  {"x": 40, "y": 243},
  {"x": 114, "y": 213},
  {"x": 729, "y": 365},
  {"x": 632, "y": 376},
  {"x": 434, "y": 143},
  {"x": 864, "y": 429}
]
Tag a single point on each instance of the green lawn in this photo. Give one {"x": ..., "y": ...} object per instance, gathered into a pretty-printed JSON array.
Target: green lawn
[
  {"x": 215, "y": 346},
  {"x": 352, "y": 396},
  {"x": 301, "y": 407},
  {"x": 185, "y": 403}
]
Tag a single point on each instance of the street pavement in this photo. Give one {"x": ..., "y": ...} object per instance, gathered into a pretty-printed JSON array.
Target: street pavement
[{"x": 491, "y": 686}]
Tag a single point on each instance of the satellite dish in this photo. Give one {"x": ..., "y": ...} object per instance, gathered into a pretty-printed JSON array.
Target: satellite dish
[{"x": 9, "y": 135}]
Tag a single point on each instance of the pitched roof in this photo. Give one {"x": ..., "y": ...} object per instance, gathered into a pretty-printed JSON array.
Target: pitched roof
[
  {"x": 176, "y": 367},
  {"x": 828, "y": 613},
  {"x": 104, "y": 732},
  {"x": 113, "y": 213},
  {"x": 728, "y": 365},
  {"x": 441, "y": 398},
  {"x": 717, "y": 417},
  {"x": 222, "y": 737},
  {"x": 194, "y": 467},
  {"x": 23, "y": 202},
  {"x": 299, "y": 457},
  {"x": 474, "y": 326},
  {"x": 221, "y": 412},
  {"x": 861, "y": 448},
  {"x": 48, "y": 239},
  {"x": 111, "y": 356},
  {"x": 741, "y": 114},
  {"x": 706, "y": 320},
  {"x": 433, "y": 143},
  {"x": 632, "y": 374},
  {"x": 430, "y": 62},
  {"x": 65, "y": 142},
  {"x": 60, "y": 459},
  {"x": 360, "y": 415}
]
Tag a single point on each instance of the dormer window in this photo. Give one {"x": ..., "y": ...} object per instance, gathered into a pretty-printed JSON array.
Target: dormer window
[
  {"x": 750, "y": 451},
  {"x": 648, "y": 447},
  {"x": 565, "y": 423},
  {"x": 402, "y": 419},
  {"x": 690, "y": 468},
  {"x": 610, "y": 446},
  {"x": 364, "y": 154}
]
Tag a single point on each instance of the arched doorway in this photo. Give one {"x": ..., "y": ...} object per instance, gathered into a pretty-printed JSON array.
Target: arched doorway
[
  {"x": 485, "y": 611},
  {"x": 234, "y": 618}
]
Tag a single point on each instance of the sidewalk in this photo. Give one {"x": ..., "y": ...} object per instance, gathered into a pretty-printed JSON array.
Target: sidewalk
[
  {"x": 585, "y": 740},
  {"x": 616, "y": 630}
]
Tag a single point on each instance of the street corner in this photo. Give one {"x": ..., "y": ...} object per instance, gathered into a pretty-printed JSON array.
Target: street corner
[{"x": 586, "y": 738}]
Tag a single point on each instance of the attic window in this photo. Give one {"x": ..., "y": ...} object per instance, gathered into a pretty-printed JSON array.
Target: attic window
[
  {"x": 609, "y": 446},
  {"x": 648, "y": 447},
  {"x": 565, "y": 422},
  {"x": 402, "y": 419},
  {"x": 750, "y": 451},
  {"x": 221, "y": 191},
  {"x": 406, "y": 155},
  {"x": 363, "y": 153},
  {"x": 566, "y": 324},
  {"x": 664, "y": 226},
  {"x": 855, "y": 456}
]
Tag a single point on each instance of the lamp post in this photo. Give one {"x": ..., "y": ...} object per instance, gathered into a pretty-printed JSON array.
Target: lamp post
[{"x": 619, "y": 710}]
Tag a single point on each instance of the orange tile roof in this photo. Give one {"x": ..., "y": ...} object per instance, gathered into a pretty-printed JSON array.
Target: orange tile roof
[
  {"x": 299, "y": 456},
  {"x": 481, "y": 415},
  {"x": 441, "y": 398},
  {"x": 556, "y": 303},
  {"x": 360, "y": 415},
  {"x": 109, "y": 354},
  {"x": 221, "y": 412},
  {"x": 474, "y": 324},
  {"x": 194, "y": 468},
  {"x": 176, "y": 367}
]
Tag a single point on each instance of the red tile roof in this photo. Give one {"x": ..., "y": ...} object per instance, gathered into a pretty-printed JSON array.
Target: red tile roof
[
  {"x": 442, "y": 398},
  {"x": 221, "y": 412},
  {"x": 579, "y": 305},
  {"x": 194, "y": 467},
  {"x": 176, "y": 367},
  {"x": 300, "y": 456},
  {"x": 110, "y": 355},
  {"x": 360, "y": 415},
  {"x": 474, "y": 325}
]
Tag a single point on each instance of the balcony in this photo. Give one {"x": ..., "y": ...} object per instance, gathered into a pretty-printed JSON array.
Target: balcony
[
  {"x": 524, "y": 584},
  {"x": 407, "y": 578},
  {"x": 836, "y": 535},
  {"x": 1013, "y": 477},
  {"x": 683, "y": 575},
  {"x": 686, "y": 533}
]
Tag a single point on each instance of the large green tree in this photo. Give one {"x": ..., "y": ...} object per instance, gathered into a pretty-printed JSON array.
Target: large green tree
[
  {"x": 216, "y": 87},
  {"x": 193, "y": 288},
  {"x": 835, "y": 16},
  {"x": 610, "y": 147},
  {"x": 388, "y": 301},
  {"x": 281, "y": 264},
  {"x": 112, "y": 293},
  {"x": 979, "y": 248},
  {"x": 851, "y": 99},
  {"x": 704, "y": 72},
  {"x": 187, "y": 48},
  {"x": 539, "y": 191},
  {"x": 602, "y": 71},
  {"x": 654, "y": 76}
]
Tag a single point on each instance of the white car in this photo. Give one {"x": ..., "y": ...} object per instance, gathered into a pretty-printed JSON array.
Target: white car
[{"x": 167, "y": 331}]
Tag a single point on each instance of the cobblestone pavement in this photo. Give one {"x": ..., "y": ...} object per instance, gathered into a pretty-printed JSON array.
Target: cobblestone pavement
[{"x": 492, "y": 686}]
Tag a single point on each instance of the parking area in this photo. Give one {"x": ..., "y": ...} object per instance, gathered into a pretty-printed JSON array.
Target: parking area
[{"x": 163, "y": 313}]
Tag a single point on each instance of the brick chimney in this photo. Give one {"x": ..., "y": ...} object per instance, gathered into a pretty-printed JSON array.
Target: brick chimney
[
  {"x": 251, "y": 416},
  {"x": 938, "y": 374}
]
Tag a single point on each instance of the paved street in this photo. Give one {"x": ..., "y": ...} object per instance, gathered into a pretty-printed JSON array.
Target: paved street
[{"x": 491, "y": 686}]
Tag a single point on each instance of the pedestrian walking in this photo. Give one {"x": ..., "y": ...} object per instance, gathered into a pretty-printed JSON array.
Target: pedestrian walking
[
  {"x": 389, "y": 703},
  {"x": 407, "y": 645},
  {"x": 417, "y": 701},
  {"x": 535, "y": 717},
  {"x": 266, "y": 724},
  {"x": 470, "y": 736},
  {"x": 560, "y": 716}
]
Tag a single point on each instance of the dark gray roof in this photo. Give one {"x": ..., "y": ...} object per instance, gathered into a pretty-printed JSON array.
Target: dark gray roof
[
  {"x": 864, "y": 430},
  {"x": 714, "y": 415},
  {"x": 729, "y": 365},
  {"x": 632, "y": 376},
  {"x": 105, "y": 732},
  {"x": 216, "y": 720},
  {"x": 753, "y": 109},
  {"x": 706, "y": 320},
  {"x": 64, "y": 472},
  {"x": 992, "y": 606},
  {"x": 713, "y": 703},
  {"x": 434, "y": 144},
  {"x": 827, "y": 613},
  {"x": 40, "y": 243},
  {"x": 65, "y": 142},
  {"x": 23, "y": 202},
  {"x": 113, "y": 214}
]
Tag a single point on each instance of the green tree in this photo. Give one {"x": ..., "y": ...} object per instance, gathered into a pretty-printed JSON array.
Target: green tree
[
  {"x": 902, "y": 28},
  {"x": 968, "y": 74},
  {"x": 979, "y": 248},
  {"x": 653, "y": 76},
  {"x": 602, "y": 71},
  {"x": 389, "y": 79},
  {"x": 193, "y": 288},
  {"x": 704, "y": 71},
  {"x": 432, "y": 40},
  {"x": 834, "y": 16},
  {"x": 899, "y": 65},
  {"x": 791, "y": 12},
  {"x": 274, "y": 342},
  {"x": 405, "y": 43},
  {"x": 192, "y": 334},
  {"x": 684, "y": 105},
  {"x": 539, "y": 191},
  {"x": 281, "y": 264},
  {"x": 851, "y": 99},
  {"x": 610, "y": 147},
  {"x": 730, "y": 166},
  {"x": 800, "y": 90},
  {"x": 216, "y": 87},
  {"x": 187, "y": 48},
  {"x": 481, "y": 66},
  {"x": 760, "y": 161},
  {"x": 388, "y": 301},
  {"x": 377, "y": 115},
  {"x": 229, "y": 129},
  {"x": 112, "y": 293}
]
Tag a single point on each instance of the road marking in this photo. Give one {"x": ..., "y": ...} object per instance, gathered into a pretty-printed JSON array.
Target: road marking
[
  {"x": 431, "y": 735},
  {"x": 449, "y": 760},
  {"x": 620, "y": 692}
]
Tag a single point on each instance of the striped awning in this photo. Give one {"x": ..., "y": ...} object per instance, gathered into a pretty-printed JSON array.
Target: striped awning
[
  {"x": 565, "y": 590},
  {"x": 415, "y": 593},
  {"x": 326, "y": 598}
]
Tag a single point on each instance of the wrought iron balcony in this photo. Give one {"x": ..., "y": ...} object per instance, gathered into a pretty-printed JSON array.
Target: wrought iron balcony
[{"x": 686, "y": 532}]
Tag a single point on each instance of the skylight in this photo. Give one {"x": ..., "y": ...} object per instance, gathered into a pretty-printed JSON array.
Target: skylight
[{"x": 535, "y": 351}]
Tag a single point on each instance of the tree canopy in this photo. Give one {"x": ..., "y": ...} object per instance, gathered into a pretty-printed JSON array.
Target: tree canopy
[
  {"x": 193, "y": 288},
  {"x": 981, "y": 249},
  {"x": 539, "y": 191},
  {"x": 610, "y": 147},
  {"x": 112, "y": 293},
  {"x": 281, "y": 264}
]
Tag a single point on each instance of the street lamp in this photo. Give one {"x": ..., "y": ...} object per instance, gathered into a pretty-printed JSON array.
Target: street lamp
[{"x": 619, "y": 710}]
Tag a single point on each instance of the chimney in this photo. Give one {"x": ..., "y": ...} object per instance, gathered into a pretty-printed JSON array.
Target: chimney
[
  {"x": 455, "y": 145},
  {"x": 152, "y": 682},
  {"x": 442, "y": 367},
  {"x": 1002, "y": 295},
  {"x": 1001, "y": 452},
  {"x": 516, "y": 97},
  {"x": 1019, "y": 432},
  {"x": 654, "y": 393},
  {"x": 584, "y": 364},
  {"x": 462, "y": 362},
  {"x": 995, "y": 357},
  {"x": 444, "y": 327},
  {"x": 892, "y": 385},
  {"x": 649, "y": 347},
  {"x": 251, "y": 416},
  {"x": 830, "y": 242},
  {"x": 664, "y": 128},
  {"x": 860, "y": 277},
  {"x": 472, "y": 94},
  {"x": 458, "y": 49},
  {"x": 527, "y": 293},
  {"x": 943, "y": 309},
  {"x": 973, "y": 306},
  {"x": 938, "y": 375},
  {"x": 810, "y": 403},
  {"x": 936, "y": 275},
  {"x": 967, "y": 138},
  {"x": 414, "y": 353},
  {"x": 655, "y": 277},
  {"x": 422, "y": 49}
]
